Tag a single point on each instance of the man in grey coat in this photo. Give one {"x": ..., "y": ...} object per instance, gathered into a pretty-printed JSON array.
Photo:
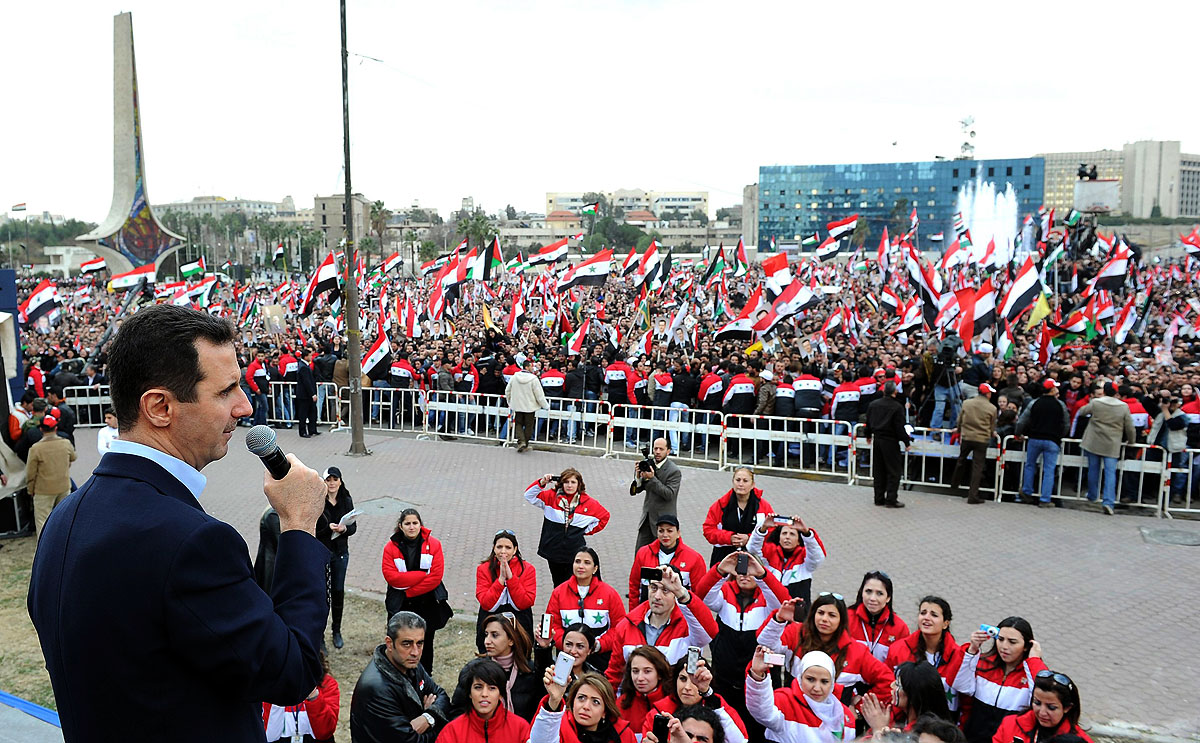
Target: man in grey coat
[
  {"x": 1111, "y": 425},
  {"x": 660, "y": 483},
  {"x": 525, "y": 397}
]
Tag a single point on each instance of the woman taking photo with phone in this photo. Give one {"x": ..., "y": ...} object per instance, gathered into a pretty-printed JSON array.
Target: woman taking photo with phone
[
  {"x": 336, "y": 537},
  {"x": 791, "y": 550},
  {"x": 1054, "y": 711},
  {"x": 413, "y": 566},
  {"x": 810, "y": 713},
  {"x": 735, "y": 514},
  {"x": 506, "y": 643},
  {"x": 587, "y": 711},
  {"x": 1004, "y": 676},
  {"x": 586, "y": 599},
  {"x": 505, "y": 582},
  {"x": 688, "y": 689},
  {"x": 933, "y": 643},
  {"x": 577, "y": 641},
  {"x": 873, "y": 622},
  {"x": 569, "y": 514}
]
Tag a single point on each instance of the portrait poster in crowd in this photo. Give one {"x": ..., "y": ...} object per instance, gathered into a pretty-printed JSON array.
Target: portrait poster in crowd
[{"x": 273, "y": 318}]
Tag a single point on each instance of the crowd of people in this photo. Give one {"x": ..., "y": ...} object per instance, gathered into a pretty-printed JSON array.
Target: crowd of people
[{"x": 738, "y": 648}]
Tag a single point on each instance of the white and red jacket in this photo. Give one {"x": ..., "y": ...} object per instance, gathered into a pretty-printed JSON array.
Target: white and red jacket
[
  {"x": 520, "y": 591},
  {"x": 316, "y": 718},
  {"x": 558, "y": 727},
  {"x": 879, "y": 637},
  {"x": 948, "y": 662},
  {"x": 689, "y": 561},
  {"x": 565, "y": 524},
  {"x": 996, "y": 693},
  {"x": 618, "y": 375},
  {"x": 721, "y": 595},
  {"x": 711, "y": 392},
  {"x": 403, "y": 375},
  {"x": 810, "y": 394},
  {"x": 257, "y": 379},
  {"x": 466, "y": 379},
  {"x": 598, "y": 606},
  {"x": 685, "y": 627},
  {"x": 504, "y": 727},
  {"x": 1022, "y": 728},
  {"x": 845, "y": 402},
  {"x": 552, "y": 382},
  {"x": 640, "y": 706},
  {"x": 792, "y": 570},
  {"x": 788, "y": 717},
  {"x": 740, "y": 396},
  {"x": 857, "y": 662},
  {"x": 36, "y": 380},
  {"x": 415, "y": 580},
  {"x": 731, "y": 721},
  {"x": 712, "y": 529},
  {"x": 288, "y": 367}
]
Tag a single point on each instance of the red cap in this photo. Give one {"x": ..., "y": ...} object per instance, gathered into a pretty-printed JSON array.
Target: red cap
[
  {"x": 50, "y": 420},
  {"x": 1049, "y": 384},
  {"x": 986, "y": 389},
  {"x": 1081, "y": 364}
]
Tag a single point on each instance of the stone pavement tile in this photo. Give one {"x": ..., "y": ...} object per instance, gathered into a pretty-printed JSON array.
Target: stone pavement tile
[{"x": 1105, "y": 605}]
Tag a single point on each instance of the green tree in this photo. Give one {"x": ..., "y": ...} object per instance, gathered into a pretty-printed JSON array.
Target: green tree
[
  {"x": 476, "y": 228},
  {"x": 726, "y": 213},
  {"x": 380, "y": 215},
  {"x": 862, "y": 231},
  {"x": 898, "y": 221},
  {"x": 699, "y": 215},
  {"x": 510, "y": 212},
  {"x": 427, "y": 251}
]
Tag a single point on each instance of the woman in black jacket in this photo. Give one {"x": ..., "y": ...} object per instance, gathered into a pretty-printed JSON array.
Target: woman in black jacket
[{"x": 335, "y": 536}]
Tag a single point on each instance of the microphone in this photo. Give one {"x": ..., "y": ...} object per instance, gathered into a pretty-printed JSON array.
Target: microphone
[{"x": 260, "y": 440}]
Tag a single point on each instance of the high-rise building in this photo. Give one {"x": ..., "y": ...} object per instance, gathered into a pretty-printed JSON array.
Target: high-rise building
[
  {"x": 1062, "y": 171},
  {"x": 1189, "y": 185},
  {"x": 796, "y": 200},
  {"x": 1151, "y": 179}
]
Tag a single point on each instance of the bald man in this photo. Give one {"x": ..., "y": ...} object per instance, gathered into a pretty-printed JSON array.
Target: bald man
[{"x": 660, "y": 483}]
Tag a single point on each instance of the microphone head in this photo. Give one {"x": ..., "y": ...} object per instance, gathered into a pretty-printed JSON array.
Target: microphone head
[{"x": 260, "y": 440}]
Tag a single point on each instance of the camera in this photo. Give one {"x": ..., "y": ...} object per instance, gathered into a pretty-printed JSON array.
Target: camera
[
  {"x": 992, "y": 631},
  {"x": 948, "y": 349},
  {"x": 647, "y": 463}
]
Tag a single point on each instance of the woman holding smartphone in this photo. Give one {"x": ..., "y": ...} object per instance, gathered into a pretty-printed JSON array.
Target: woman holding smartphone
[
  {"x": 587, "y": 710},
  {"x": 791, "y": 550},
  {"x": 586, "y": 599},
  {"x": 731, "y": 519},
  {"x": 688, "y": 689},
  {"x": 577, "y": 641},
  {"x": 505, "y": 582},
  {"x": 1004, "y": 676},
  {"x": 811, "y": 712},
  {"x": 570, "y": 515}
]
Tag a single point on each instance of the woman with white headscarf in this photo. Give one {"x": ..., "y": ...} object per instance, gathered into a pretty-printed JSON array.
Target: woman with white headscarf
[{"x": 814, "y": 715}]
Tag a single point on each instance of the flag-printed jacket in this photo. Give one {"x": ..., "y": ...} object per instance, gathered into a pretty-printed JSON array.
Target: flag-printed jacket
[
  {"x": 857, "y": 662},
  {"x": 414, "y": 580},
  {"x": 638, "y": 387},
  {"x": 794, "y": 571},
  {"x": 257, "y": 379},
  {"x": 600, "y": 608},
  {"x": 402, "y": 375},
  {"x": 949, "y": 663},
  {"x": 316, "y": 719},
  {"x": 288, "y": 367},
  {"x": 810, "y": 396},
  {"x": 740, "y": 396},
  {"x": 738, "y": 623},
  {"x": 868, "y": 390},
  {"x": 846, "y": 397},
  {"x": 689, "y": 561},
  {"x": 878, "y": 636},
  {"x": 1191, "y": 409},
  {"x": 553, "y": 382},
  {"x": 685, "y": 627},
  {"x": 519, "y": 591},
  {"x": 618, "y": 379},
  {"x": 664, "y": 386},
  {"x": 785, "y": 400},
  {"x": 717, "y": 530},
  {"x": 711, "y": 392},
  {"x": 996, "y": 694},
  {"x": 565, "y": 525},
  {"x": 786, "y": 714},
  {"x": 466, "y": 379}
]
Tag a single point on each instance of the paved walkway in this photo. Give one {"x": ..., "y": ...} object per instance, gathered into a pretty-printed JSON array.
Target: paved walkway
[{"x": 1111, "y": 609}]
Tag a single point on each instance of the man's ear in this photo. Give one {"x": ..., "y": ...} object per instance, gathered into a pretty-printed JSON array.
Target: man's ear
[{"x": 157, "y": 406}]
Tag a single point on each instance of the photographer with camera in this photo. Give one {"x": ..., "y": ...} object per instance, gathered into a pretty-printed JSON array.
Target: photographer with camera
[
  {"x": 570, "y": 515},
  {"x": 659, "y": 478},
  {"x": 946, "y": 393}
]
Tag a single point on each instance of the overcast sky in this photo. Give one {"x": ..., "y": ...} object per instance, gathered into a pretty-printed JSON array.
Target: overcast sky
[{"x": 504, "y": 101}]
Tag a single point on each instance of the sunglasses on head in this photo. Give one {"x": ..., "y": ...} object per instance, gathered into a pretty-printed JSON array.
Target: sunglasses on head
[
  {"x": 1059, "y": 678},
  {"x": 508, "y": 532},
  {"x": 837, "y": 596}
]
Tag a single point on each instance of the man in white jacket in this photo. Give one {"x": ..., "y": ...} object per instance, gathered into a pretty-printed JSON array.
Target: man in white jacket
[{"x": 525, "y": 398}]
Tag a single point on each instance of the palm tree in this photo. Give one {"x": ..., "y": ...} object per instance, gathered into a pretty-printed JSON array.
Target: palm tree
[
  {"x": 380, "y": 215},
  {"x": 477, "y": 227}
]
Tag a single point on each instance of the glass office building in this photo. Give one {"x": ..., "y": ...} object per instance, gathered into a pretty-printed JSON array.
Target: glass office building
[{"x": 797, "y": 200}]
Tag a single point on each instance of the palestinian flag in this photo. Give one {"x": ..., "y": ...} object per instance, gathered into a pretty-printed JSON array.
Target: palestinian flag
[
  {"x": 202, "y": 291},
  {"x": 575, "y": 342},
  {"x": 592, "y": 272},
  {"x": 516, "y": 265},
  {"x": 811, "y": 241},
  {"x": 488, "y": 263},
  {"x": 592, "y": 208},
  {"x": 95, "y": 264},
  {"x": 841, "y": 228},
  {"x": 43, "y": 300},
  {"x": 715, "y": 268},
  {"x": 378, "y": 355},
  {"x": 1025, "y": 289},
  {"x": 130, "y": 279},
  {"x": 1004, "y": 346},
  {"x": 226, "y": 266},
  {"x": 829, "y": 249},
  {"x": 324, "y": 279},
  {"x": 552, "y": 253},
  {"x": 517, "y": 312},
  {"x": 741, "y": 265},
  {"x": 1073, "y": 218},
  {"x": 189, "y": 270}
]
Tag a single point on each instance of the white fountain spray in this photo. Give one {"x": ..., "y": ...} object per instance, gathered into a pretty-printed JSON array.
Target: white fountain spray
[{"x": 990, "y": 214}]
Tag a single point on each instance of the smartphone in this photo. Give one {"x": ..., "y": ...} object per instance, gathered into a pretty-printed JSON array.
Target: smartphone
[
  {"x": 783, "y": 520},
  {"x": 546, "y": 620},
  {"x": 562, "y": 668},
  {"x": 693, "y": 660},
  {"x": 743, "y": 563},
  {"x": 652, "y": 574},
  {"x": 660, "y": 728},
  {"x": 773, "y": 659}
]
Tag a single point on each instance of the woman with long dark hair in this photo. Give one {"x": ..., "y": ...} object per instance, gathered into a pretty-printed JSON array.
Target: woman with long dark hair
[
  {"x": 587, "y": 599},
  {"x": 873, "y": 622},
  {"x": 1054, "y": 711},
  {"x": 586, "y": 711},
  {"x": 1004, "y": 677},
  {"x": 505, "y": 582},
  {"x": 734, "y": 515},
  {"x": 917, "y": 691},
  {"x": 686, "y": 689},
  {"x": 792, "y": 551},
  {"x": 933, "y": 643},
  {"x": 569, "y": 514},
  {"x": 413, "y": 566},
  {"x": 506, "y": 643},
  {"x": 577, "y": 641},
  {"x": 336, "y": 536}
]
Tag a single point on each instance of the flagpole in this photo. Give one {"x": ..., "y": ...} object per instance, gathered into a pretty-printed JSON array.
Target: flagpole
[{"x": 350, "y": 307}]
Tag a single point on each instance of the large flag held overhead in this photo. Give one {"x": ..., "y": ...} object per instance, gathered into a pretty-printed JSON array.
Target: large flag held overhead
[
  {"x": 842, "y": 227},
  {"x": 552, "y": 253},
  {"x": 41, "y": 301},
  {"x": 1026, "y": 288},
  {"x": 1112, "y": 275},
  {"x": 648, "y": 267},
  {"x": 324, "y": 279},
  {"x": 795, "y": 298},
  {"x": 393, "y": 261},
  {"x": 517, "y": 312},
  {"x": 592, "y": 272},
  {"x": 130, "y": 279},
  {"x": 742, "y": 327},
  {"x": 630, "y": 264},
  {"x": 379, "y": 354},
  {"x": 95, "y": 264},
  {"x": 716, "y": 267},
  {"x": 985, "y": 307},
  {"x": 190, "y": 270},
  {"x": 776, "y": 273},
  {"x": 1191, "y": 243},
  {"x": 829, "y": 249},
  {"x": 575, "y": 342}
]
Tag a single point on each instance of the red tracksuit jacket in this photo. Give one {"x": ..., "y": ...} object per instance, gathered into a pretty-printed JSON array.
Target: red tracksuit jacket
[
  {"x": 688, "y": 560},
  {"x": 685, "y": 627},
  {"x": 416, "y": 580},
  {"x": 600, "y": 609},
  {"x": 520, "y": 591},
  {"x": 878, "y": 638}
]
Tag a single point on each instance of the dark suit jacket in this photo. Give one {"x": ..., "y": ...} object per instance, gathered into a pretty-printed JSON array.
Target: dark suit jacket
[
  {"x": 150, "y": 620},
  {"x": 662, "y": 492},
  {"x": 306, "y": 386}
]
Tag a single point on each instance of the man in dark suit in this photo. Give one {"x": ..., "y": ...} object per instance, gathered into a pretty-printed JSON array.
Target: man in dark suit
[
  {"x": 191, "y": 647},
  {"x": 306, "y": 394},
  {"x": 885, "y": 424},
  {"x": 660, "y": 483}
]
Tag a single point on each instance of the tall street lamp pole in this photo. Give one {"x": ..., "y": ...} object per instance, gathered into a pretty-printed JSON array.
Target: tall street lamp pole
[{"x": 353, "y": 332}]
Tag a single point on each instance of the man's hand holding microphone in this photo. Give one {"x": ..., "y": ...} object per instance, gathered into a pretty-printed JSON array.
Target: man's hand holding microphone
[{"x": 296, "y": 492}]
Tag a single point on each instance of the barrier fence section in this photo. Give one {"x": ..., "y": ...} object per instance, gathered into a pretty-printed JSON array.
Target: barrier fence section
[
  {"x": 806, "y": 445},
  {"x": 468, "y": 415},
  {"x": 634, "y": 427},
  {"x": 932, "y": 457},
  {"x": 327, "y": 408},
  {"x": 1183, "y": 496},
  {"x": 577, "y": 424},
  {"x": 1141, "y": 480},
  {"x": 89, "y": 404},
  {"x": 384, "y": 409}
]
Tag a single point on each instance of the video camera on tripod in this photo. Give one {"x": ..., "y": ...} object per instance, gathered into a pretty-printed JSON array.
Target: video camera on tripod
[{"x": 948, "y": 349}]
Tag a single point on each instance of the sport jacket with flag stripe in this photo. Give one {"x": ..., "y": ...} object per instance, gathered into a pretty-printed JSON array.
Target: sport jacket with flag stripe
[
  {"x": 737, "y": 623},
  {"x": 1023, "y": 728},
  {"x": 552, "y": 382},
  {"x": 685, "y": 627},
  {"x": 520, "y": 591},
  {"x": 257, "y": 379},
  {"x": 413, "y": 580},
  {"x": 600, "y": 608},
  {"x": 402, "y": 375},
  {"x": 711, "y": 392},
  {"x": 565, "y": 525},
  {"x": 877, "y": 637},
  {"x": 619, "y": 378},
  {"x": 466, "y": 380},
  {"x": 996, "y": 694},
  {"x": 788, "y": 717},
  {"x": 740, "y": 396},
  {"x": 719, "y": 533},
  {"x": 857, "y": 662},
  {"x": 846, "y": 397},
  {"x": 810, "y": 397},
  {"x": 794, "y": 571},
  {"x": 949, "y": 664},
  {"x": 689, "y": 561}
]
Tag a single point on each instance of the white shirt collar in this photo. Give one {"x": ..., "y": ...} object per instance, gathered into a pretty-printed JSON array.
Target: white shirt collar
[{"x": 185, "y": 473}]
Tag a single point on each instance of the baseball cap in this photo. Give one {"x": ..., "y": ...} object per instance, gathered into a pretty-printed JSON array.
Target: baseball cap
[
  {"x": 668, "y": 518},
  {"x": 50, "y": 420},
  {"x": 986, "y": 389},
  {"x": 1049, "y": 384},
  {"x": 331, "y": 472}
]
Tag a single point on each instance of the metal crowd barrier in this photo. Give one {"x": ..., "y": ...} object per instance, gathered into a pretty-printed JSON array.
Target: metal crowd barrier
[
  {"x": 578, "y": 424},
  {"x": 634, "y": 427},
  {"x": 89, "y": 404},
  {"x": 281, "y": 404},
  {"x": 1183, "y": 490},
  {"x": 386, "y": 409},
  {"x": 468, "y": 415},
  {"x": 1142, "y": 475},
  {"x": 327, "y": 407},
  {"x": 810, "y": 446}
]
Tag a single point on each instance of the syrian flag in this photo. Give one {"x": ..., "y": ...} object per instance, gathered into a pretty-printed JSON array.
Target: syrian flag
[
  {"x": 913, "y": 220},
  {"x": 985, "y": 307},
  {"x": 18, "y": 207},
  {"x": 832, "y": 323},
  {"x": 1126, "y": 320},
  {"x": 1024, "y": 291},
  {"x": 393, "y": 261},
  {"x": 130, "y": 279},
  {"x": 1112, "y": 276},
  {"x": 890, "y": 302},
  {"x": 795, "y": 298},
  {"x": 741, "y": 265},
  {"x": 777, "y": 274},
  {"x": 649, "y": 266},
  {"x": 829, "y": 249},
  {"x": 181, "y": 298},
  {"x": 278, "y": 253},
  {"x": 408, "y": 319},
  {"x": 741, "y": 328},
  {"x": 913, "y": 318},
  {"x": 433, "y": 265},
  {"x": 168, "y": 290},
  {"x": 552, "y": 253},
  {"x": 575, "y": 342},
  {"x": 922, "y": 277},
  {"x": 324, "y": 279},
  {"x": 592, "y": 272},
  {"x": 1191, "y": 243},
  {"x": 517, "y": 312},
  {"x": 42, "y": 300},
  {"x": 188, "y": 270},
  {"x": 841, "y": 228},
  {"x": 631, "y": 263},
  {"x": 881, "y": 253},
  {"x": 202, "y": 289},
  {"x": 379, "y": 354},
  {"x": 937, "y": 237},
  {"x": 96, "y": 264}
]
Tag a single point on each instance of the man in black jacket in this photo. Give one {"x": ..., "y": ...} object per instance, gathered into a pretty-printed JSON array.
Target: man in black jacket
[
  {"x": 306, "y": 395},
  {"x": 1044, "y": 423},
  {"x": 395, "y": 699},
  {"x": 885, "y": 431}
]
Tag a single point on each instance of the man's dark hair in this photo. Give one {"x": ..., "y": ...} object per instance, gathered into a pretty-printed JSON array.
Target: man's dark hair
[
  {"x": 703, "y": 714},
  {"x": 944, "y": 731},
  {"x": 157, "y": 348},
  {"x": 403, "y": 620},
  {"x": 889, "y": 388}
]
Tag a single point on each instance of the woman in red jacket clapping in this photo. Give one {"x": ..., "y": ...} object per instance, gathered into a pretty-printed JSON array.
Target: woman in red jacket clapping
[
  {"x": 413, "y": 566},
  {"x": 505, "y": 582}
]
